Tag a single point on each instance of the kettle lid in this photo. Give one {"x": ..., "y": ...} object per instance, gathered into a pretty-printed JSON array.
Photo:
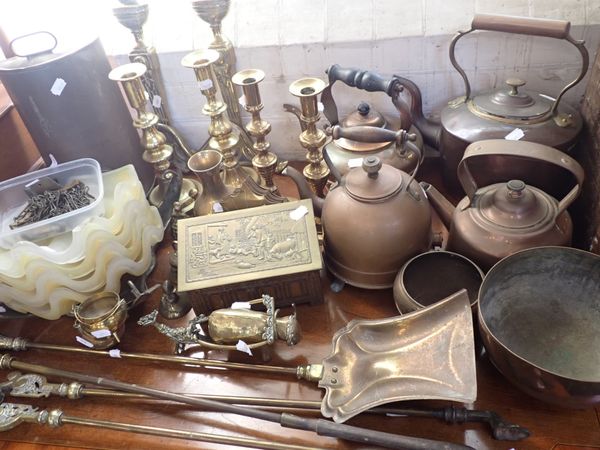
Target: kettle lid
[
  {"x": 374, "y": 181},
  {"x": 364, "y": 115},
  {"x": 512, "y": 104},
  {"x": 515, "y": 205}
]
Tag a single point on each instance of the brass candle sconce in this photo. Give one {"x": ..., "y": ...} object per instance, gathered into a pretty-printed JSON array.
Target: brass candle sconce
[
  {"x": 264, "y": 161},
  {"x": 226, "y": 139},
  {"x": 312, "y": 138}
]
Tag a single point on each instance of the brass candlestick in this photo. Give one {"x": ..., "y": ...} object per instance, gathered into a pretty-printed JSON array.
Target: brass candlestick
[
  {"x": 156, "y": 150},
  {"x": 264, "y": 161},
  {"x": 133, "y": 17},
  {"x": 312, "y": 138},
  {"x": 226, "y": 139},
  {"x": 213, "y": 12}
]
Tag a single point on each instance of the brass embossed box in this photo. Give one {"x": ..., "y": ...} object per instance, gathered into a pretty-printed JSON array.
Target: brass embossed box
[{"x": 240, "y": 255}]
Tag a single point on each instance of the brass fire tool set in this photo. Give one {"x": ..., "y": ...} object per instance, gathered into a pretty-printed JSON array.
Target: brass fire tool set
[
  {"x": 444, "y": 332},
  {"x": 320, "y": 426},
  {"x": 37, "y": 386}
]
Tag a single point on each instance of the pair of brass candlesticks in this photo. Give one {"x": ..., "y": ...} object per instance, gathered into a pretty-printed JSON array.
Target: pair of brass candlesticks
[{"x": 243, "y": 181}]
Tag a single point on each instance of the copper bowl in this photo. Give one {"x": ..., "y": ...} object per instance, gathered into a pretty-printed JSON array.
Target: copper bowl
[{"x": 539, "y": 317}]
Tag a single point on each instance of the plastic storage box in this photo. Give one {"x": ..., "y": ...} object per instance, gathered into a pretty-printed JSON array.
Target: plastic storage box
[{"x": 14, "y": 198}]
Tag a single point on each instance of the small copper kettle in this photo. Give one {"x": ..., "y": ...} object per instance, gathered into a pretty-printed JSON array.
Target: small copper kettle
[
  {"x": 493, "y": 115},
  {"x": 374, "y": 220},
  {"x": 498, "y": 220},
  {"x": 345, "y": 152}
]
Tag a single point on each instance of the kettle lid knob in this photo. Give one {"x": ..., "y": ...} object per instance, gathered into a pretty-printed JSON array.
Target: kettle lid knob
[
  {"x": 515, "y": 84},
  {"x": 371, "y": 165},
  {"x": 515, "y": 188},
  {"x": 363, "y": 108}
]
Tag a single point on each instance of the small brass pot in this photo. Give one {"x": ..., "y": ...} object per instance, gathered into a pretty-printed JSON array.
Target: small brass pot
[
  {"x": 432, "y": 276},
  {"x": 100, "y": 319}
]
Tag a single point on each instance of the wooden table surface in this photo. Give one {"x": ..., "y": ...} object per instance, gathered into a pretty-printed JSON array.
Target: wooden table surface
[{"x": 551, "y": 427}]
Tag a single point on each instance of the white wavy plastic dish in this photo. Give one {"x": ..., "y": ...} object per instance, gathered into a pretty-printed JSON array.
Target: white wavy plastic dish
[
  {"x": 137, "y": 215},
  {"x": 122, "y": 185},
  {"x": 13, "y": 199},
  {"x": 51, "y": 302}
]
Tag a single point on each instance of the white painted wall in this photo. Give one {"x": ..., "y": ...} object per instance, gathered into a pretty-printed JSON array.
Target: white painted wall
[{"x": 289, "y": 39}]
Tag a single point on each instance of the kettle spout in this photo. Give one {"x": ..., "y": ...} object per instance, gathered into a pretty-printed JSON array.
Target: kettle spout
[
  {"x": 304, "y": 189},
  {"x": 440, "y": 204},
  {"x": 431, "y": 130}
]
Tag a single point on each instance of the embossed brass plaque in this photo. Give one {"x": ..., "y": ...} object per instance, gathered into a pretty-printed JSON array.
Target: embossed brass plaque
[{"x": 247, "y": 245}]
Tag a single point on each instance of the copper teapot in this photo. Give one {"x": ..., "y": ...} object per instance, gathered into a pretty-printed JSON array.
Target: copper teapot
[
  {"x": 374, "y": 220},
  {"x": 493, "y": 115},
  {"x": 498, "y": 220},
  {"x": 345, "y": 152}
]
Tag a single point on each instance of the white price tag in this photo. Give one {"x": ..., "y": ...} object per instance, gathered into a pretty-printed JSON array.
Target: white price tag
[
  {"x": 217, "y": 207},
  {"x": 514, "y": 135},
  {"x": 240, "y": 305},
  {"x": 205, "y": 84},
  {"x": 58, "y": 86},
  {"x": 355, "y": 162},
  {"x": 320, "y": 107},
  {"x": 99, "y": 334},
  {"x": 299, "y": 212},
  {"x": 243, "y": 347},
  {"x": 242, "y": 100},
  {"x": 156, "y": 101},
  {"x": 84, "y": 342},
  {"x": 114, "y": 353}
]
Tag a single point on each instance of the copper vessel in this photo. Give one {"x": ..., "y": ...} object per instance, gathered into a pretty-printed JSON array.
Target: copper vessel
[
  {"x": 101, "y": 319},
  {"x": 493, "y": 115},
  {"x": 343, "y": 151},
  {"x": 539, "y": 317},
  {"x": 495, "y": 221},
  {"x": 376, "y": 219},
  {"x": 414, "y": 290}
]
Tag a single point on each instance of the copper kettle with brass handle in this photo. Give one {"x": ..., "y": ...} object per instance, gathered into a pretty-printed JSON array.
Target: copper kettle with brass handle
[
  {"x": 493, "y": 115},
  {"x": 498, "y": 220},
  {"x": 345, "y": 153},
  {"x": 374, "y": 219}
]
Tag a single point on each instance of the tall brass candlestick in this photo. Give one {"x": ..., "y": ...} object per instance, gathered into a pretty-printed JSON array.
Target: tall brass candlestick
[
  {"x": 224, "y": 138},
  {"x": 133, "y": 17},
  {"x": 213, "y": 12},
  {"x": 312, "y": 138},
  {"x": 156, "y": 149},
  {"x": 264, "y": 161}
]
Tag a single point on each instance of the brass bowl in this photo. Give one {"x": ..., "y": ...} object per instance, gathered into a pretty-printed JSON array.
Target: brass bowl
[
  {"x": 414, "y": 287},
  {"x": 100, "y": 319}
]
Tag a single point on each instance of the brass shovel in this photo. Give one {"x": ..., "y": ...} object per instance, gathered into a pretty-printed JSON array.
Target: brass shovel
[{"x": 426, "y": 354}]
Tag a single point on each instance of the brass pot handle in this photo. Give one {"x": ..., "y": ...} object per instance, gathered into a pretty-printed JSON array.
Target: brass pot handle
[
  {"x": 363, "y": 133},
  {"x": 557, "y": 29},
  {"x": 530, "y": 150}
]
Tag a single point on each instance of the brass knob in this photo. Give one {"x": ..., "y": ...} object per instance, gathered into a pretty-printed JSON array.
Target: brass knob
[
  {"x": 371, "y": 165},
  {"x": 515, "y": 84}
]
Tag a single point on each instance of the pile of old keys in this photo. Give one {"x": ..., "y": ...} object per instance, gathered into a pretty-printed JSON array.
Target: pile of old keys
[{"x": 53, "y": 201}]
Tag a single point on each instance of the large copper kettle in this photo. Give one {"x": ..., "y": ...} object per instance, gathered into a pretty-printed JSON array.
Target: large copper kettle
[
  {"x": 374, "y": 220},
  {"x": 493, "y": 115},
  {"x": 344, "y": 152},
  {"x": 498, "y": 220}
]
